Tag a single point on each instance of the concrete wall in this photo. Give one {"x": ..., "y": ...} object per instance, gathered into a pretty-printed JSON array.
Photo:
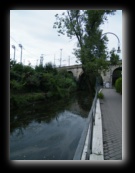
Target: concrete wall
[{"x": 107, "y": 76}]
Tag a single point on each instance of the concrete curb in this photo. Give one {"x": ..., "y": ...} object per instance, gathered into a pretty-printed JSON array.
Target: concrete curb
[
  {"x": 97, "y": 141},
  {"x": 85, "y": 146}
]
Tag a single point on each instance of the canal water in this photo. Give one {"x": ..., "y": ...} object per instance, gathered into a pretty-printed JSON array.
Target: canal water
[{"x": 49, "y": 130}]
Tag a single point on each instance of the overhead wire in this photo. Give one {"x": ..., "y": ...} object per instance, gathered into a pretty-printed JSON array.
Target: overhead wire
[
  {"x": 25, "y": 49},
  {"x": 31, "y": 54}
]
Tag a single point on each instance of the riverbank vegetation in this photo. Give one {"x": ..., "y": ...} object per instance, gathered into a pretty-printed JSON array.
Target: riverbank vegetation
[{"x": 42, "y": 83}]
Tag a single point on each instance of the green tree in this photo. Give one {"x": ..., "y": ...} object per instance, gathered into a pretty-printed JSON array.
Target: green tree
[
  {"x": 18, "y": 68},
  {"x": 50, "y": 68},
  {"x": 39, "y": 68},
  {"x": 114, "y": 58},
  {"x": 31, "y": 83},
  {"x": 71, "y": 23},
  {"x": 84, "y": 25},
  {"x": 12, "y": 63}
]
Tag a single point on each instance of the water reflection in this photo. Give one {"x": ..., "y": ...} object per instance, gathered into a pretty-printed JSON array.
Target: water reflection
[{"x": 48, "y": 130}]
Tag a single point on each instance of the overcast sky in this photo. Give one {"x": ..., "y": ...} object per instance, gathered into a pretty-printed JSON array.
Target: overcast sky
[{"x": 33, "y": 29}]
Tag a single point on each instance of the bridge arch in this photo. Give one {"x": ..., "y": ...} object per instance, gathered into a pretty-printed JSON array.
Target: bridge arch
[
  {"x": 71, "y": 73},
  {"x": 80, "y": 74},
  {"x": 77, "y": 71},
  {"x": 109, "y": 77},
  {"x": 117, "y": 72}
]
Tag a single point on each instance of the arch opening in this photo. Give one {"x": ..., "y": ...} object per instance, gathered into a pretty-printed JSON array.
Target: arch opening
[
  {"x": 71, "y": 74},
  {"x": 116, "y": 74}
]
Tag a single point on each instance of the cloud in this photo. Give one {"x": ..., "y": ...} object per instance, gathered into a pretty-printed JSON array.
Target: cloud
[{"x": 34, "y": 30}]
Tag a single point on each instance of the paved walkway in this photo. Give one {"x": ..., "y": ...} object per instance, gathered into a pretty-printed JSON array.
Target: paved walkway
[{"x": 111, "y": 111}]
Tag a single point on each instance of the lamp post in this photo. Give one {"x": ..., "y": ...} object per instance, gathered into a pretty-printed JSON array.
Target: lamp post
[
  {"x": 14, "y": 51},
  {"x": 21, "y": 53},
  {"x": 118, "y": 51}
]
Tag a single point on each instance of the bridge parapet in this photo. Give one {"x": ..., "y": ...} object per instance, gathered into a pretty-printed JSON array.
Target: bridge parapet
[
  {"x": 107, "y": 76},
  {"x": 75, "y": 69}
]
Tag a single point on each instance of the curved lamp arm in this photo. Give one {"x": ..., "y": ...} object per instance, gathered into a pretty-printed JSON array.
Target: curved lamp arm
[{"x": 118, "y": 51}]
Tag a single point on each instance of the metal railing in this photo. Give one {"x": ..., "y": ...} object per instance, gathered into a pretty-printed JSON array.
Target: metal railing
[{"x": 89, "y": 126}]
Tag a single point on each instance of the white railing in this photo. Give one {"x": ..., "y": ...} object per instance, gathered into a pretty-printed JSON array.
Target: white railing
[{"x": 87, "y": 134}]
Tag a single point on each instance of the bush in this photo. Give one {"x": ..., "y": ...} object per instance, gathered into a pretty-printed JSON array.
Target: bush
[
  {"x": 25, "y": 79},
  {"x": 31, "y": 83},
  {"x": 17, "y": 101},
  {"x": 15, "y": 76},
  {"x": 16, "y": 86},
  {"x": 28, "y": 69},
  {"x": 118, "y": 85},
  {"x": 18, "y": 68},
  {"x": 100, "y": 95}
]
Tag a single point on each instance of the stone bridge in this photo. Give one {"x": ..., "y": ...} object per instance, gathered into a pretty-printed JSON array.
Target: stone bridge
[
  {"x": 108, "y": 77},
  {"x": 76, "y": 70}
]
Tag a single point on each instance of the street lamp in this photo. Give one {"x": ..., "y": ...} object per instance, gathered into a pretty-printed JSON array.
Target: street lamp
[
  {"x": 14, "y": 51},
  {"x": 21, "y": 53},
  {"x": 118, "y": 51}
]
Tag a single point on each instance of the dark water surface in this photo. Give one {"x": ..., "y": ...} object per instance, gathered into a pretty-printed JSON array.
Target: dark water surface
[{"x": 48, "y": 130}]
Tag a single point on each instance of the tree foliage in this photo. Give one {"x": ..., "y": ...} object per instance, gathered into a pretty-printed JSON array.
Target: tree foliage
[
  {"x": 114, "y": 58},
  {"x": 85, "y": 26}
]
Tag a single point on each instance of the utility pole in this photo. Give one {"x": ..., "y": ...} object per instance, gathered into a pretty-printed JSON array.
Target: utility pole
[
  {"x": 41, "y": 59},
  {"x": 69, "y": 61},
  {"x": 14, "y": 51},
  {"x": 54, "y": 59},
  {"x": 21, "y": 53},
  {"x": 37, "y": 62},
  {"x": 60, "y": 57},
  {"x": 57, "y": 59}
]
